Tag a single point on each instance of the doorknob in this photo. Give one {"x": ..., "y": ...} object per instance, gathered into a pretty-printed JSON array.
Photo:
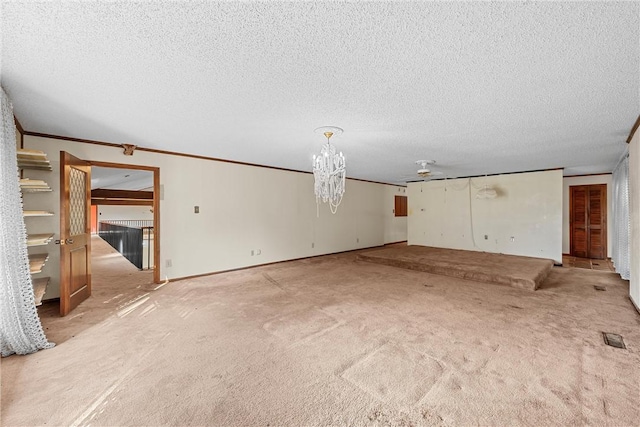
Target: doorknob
[{"x": 69, "y": 241}]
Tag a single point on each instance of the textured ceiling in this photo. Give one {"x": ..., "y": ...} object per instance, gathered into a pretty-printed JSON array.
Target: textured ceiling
[
  {"x": 479, "y": 87},
  {"x": 120, "y": 179}
]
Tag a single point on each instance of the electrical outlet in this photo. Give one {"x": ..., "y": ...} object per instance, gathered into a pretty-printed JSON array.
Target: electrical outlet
[
  {"x": 358, "y": 240},
  {"x": 196, "y": 209},
  {"x": 259, "y": 251},
  {"x": 513, "y": 239},
  {"x": 313, "y": 245},
  {"x": 486, "y": 237},
  {"x": 168, "y": 263},
  {"x": 252, "y": 252}
]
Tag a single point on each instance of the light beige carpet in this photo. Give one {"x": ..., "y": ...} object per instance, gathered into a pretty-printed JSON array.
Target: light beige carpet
[{"x": 336, "y": 341}]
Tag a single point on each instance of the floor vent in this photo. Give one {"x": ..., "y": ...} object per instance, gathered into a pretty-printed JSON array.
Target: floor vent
[
  {"x": 600, "y": 288},
  {"x": 614, "y": 340}
]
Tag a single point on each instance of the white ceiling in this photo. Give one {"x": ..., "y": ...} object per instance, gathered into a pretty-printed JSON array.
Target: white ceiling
[
  {"x": 479, "y": 87},
  {"x": 121, "y": 179}
]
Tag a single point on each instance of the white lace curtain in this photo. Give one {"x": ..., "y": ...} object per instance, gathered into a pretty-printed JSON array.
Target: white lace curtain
[
  {"x": 621, "y": 224},
  {"x": 20, "y": 328}
]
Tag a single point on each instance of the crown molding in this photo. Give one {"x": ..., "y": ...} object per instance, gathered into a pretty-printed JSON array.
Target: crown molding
[
  {"x": 193, "y": 156},
  {"x": 633, "y": 130}
]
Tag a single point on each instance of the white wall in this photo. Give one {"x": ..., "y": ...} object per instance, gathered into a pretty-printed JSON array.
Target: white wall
[
  {"x": 585, "y": 180},
  {"x": 110, "y": 212},
  {"x": 634, "y": 217},
  {"x": 242, "y": 208},
  {"x": 525, "y": 219}
]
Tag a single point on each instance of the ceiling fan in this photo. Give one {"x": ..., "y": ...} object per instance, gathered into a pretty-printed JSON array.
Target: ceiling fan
[{"x": 424, "y": 173}]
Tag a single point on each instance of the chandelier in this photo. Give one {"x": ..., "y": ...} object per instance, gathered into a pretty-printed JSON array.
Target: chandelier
[{"x": 329, "y": 171}]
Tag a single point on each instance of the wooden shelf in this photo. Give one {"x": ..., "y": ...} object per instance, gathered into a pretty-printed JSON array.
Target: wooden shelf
[
  {"x": 36, "y": 262},
  {"x": 39, "y": 288},
  {"x": 33, "y": 185},
  {"x": 36, "y": 190},
  {"x": 36, "y": 213},
  {"x": 35, "y": 167},
  {"x": 33, "y": 159},
  {"x": 23, "y": 153},
  {"x": 39, "y": 239}
]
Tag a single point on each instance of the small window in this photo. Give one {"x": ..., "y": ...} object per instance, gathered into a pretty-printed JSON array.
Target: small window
[{"x": 401, "y": 206}]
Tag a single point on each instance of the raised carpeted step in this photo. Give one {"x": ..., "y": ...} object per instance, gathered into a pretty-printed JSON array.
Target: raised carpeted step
[{"x": 517, "y": 271}]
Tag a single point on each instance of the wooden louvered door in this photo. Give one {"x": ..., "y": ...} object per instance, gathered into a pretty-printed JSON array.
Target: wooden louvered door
[
  {"x": 588, "y": 221},
  {"x": 597, "y": 221},
  {"x": 578, "y": 213}
]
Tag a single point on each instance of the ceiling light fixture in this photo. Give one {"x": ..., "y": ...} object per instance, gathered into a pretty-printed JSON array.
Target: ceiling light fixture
[
  {"x": 424, "y": 172},
  {"x": 329, "y": 171}
]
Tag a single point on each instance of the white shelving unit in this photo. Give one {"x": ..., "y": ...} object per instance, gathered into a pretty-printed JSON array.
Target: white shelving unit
[{"x": 36, "y": 160}]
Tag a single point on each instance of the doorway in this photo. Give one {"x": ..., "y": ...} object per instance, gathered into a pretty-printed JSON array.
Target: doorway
[
  {"x": 588, "y": 221},
  {"x": 126, "y": 200},
  {"x": 76, "y": 199}
]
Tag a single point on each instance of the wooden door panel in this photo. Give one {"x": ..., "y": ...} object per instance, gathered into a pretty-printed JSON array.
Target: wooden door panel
[
  {"x": 580, "y": 243},
  {"x": 595, "y": 244},
  {"x": 578, "y": 219},
  {"x": 78, "y": 269},
  {"x": 79, "y": 290},
  {"x": 400, "y": 206},
  {"x": 75, "y": 232},
  {"x": 588, "y": 221},
  {"x": 597, "y": 221},
  {"x": 595, "y": 209},
  {"x": 579, "y": 207}
]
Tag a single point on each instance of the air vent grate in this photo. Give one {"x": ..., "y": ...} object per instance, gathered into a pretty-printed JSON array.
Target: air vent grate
[{"x": 614, "y": 340}]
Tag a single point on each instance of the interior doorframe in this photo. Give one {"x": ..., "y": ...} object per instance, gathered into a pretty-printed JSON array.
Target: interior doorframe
[
  {"x": 156, "y": 206},
  {"x": 605, "y": 211}
]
